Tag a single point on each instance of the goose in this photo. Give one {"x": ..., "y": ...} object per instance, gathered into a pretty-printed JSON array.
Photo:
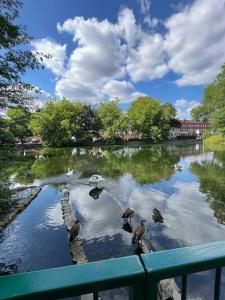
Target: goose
[
  {"x": 139, "y": 233},
  {"x": 95, "y": 179},
  {"x": 74, "y": 232},
  {"x": 128, "y": 214},
  {"x": 157, "y": 216}
]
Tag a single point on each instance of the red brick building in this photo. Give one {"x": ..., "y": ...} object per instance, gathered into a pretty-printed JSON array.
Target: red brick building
[{"x": 189, "y": 127}]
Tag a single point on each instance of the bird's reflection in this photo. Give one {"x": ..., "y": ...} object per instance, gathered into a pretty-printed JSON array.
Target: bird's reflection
[
  {"x": 127, "y": 227},
  {"x": 138, "y": 250},
  {"x": 95, "y": 192}
]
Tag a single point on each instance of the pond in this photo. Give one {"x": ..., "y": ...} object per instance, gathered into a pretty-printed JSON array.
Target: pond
[{"x": 185, "y": 182}]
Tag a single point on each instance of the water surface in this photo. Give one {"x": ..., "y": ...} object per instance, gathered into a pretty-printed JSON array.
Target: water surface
[{"x": 186, "y": 182}]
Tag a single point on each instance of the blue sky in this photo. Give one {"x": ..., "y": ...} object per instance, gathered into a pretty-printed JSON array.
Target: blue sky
[{"x": 102, "y": 49}]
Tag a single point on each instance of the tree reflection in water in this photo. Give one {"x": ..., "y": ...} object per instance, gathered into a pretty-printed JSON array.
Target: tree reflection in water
[{"x": 211, "y": 175}]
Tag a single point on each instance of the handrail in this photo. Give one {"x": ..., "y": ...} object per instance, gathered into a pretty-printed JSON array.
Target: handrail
[
  {"x": 142, "y": 274},
  {"x": 181, "y": 262},
  {"x": 76, "y": 280}
]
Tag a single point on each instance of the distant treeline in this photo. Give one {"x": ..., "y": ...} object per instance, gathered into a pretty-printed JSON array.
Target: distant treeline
[{"x": 62, "y": 122}]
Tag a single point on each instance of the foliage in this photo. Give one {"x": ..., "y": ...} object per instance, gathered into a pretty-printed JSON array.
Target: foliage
[
  {"x": 13, "y": 60},
  {"x": 18, "y": 120},
  {"x": 114, "y": 121},
  {"x": 63, "y": 122},
  {"x": 212, "y": 177},
  {"x": 6, "y": 137},
  {"x": 217, "y": 141},
  {"x": 212, "y": 107},
  {"x": 148, "y": 117}
]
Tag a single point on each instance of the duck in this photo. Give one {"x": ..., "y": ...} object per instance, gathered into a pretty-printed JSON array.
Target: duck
[
  {"x": 139, "y": 233},
  {"x": 95, "y": 192},
  {"x": 157, "y": 216},
  {"x": 128, "y": 214},
  {"x": 74, "y": 232},
  {"x": 95, "y": 179}
]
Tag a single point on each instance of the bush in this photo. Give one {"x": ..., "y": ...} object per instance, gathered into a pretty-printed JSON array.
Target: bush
[
  {"x": 207, "y": 134},
  {"x": 215, "y": 141}
]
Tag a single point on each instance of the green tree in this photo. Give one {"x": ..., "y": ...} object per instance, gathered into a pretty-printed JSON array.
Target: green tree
[
  {"x": 212, "y": 107},
  {"x": 62, "y": 123},
  {"x": 57, "y": 123},
  {"x": 6, "y": 136},
  {"x": 18, "y": 120},
  {"x": 148, "y": 117},
  {"x": 143, "y": 114},
  {"x": 167, "y": 117},
  {"x": 114, "y": 120},
  {"x": 14, "y": 60}
]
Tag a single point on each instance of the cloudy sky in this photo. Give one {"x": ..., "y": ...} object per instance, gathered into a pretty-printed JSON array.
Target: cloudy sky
[{"x": 104, "y": 49}]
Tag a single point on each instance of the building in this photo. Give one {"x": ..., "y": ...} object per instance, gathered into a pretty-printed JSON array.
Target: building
[{"x": 189, "y": 127}]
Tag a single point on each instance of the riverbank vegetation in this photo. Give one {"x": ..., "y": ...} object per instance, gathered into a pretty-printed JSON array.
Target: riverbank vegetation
[{"x": 212, "y": 108}]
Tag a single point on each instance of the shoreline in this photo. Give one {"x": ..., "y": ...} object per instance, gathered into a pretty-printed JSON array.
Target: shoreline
[{"x": 18, "y": 208}]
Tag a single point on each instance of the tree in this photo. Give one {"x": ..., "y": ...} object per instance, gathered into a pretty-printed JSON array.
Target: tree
[
  {"x": 167, "y": 117},
  {"x": 114, "y": 121},
  {"x": 198, "y": 113},
  {"x": 14, "y": 61},
  {"x": 18, "y": 120},
  {"x": 62, "y": 123},
  {"x": 143, "y": 114},
  {"x": 148, "y": 117},
  {"x": 6, "y": 136},
  {"x": 212, "y": 107}
]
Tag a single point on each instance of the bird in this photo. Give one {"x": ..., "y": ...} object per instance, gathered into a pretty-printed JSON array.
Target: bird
[
  {"x": 157, "y": 216},
  {"x": 69, "y": 173},
  {"x": 139, "y": 233},
  {"x": 128, "y": 214},
  {"x": 95, "y": 192},
  {"x": 74, "y": 232},
  {"x": 178, "y": 168},
  {"x": 95, "y": 179}
]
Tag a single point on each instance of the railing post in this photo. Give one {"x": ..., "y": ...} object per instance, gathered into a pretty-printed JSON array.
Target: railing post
[{"x": 138, "y": 290}]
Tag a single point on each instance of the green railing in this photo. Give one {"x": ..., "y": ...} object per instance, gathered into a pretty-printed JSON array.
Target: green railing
[{"x": 141, "y": 274}]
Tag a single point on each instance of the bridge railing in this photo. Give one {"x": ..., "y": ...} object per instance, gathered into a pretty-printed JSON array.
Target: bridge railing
[
  {"x": 140, "y": 273},
  {"x": 182, "y": 262}
]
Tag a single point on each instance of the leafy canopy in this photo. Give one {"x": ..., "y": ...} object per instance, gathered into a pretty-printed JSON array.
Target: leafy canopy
[
  {"x": 212, "y": 107},
  {"x": 63, "y": 122},
  {"x": 14, "y": 60}
]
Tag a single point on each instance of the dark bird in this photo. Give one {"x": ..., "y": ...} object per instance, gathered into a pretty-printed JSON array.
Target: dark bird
[
  {"x": 157, "y": 217},
  {"x": 139, "y": 233},
  {"x": 95, "y": 192},
  {"x": 74, "y": 232},
  {"x": 128, "y": 214},
  {"x": 127, "y": 227}
]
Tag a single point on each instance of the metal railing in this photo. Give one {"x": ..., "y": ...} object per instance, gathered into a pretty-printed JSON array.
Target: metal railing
[{"x": 141, "y": 273}]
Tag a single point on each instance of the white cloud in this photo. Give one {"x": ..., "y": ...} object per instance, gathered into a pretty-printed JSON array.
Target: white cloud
[
  {"x": 195, "y": 41},
  {"x": 147, "y": 61},
  {"x": 122, "y": 89},
  {"x": 144, "y": 6},
  {"x": 110, "y": 57},
  {"x": 58, "y": 54},
  {"x": 184, "y": 108}
]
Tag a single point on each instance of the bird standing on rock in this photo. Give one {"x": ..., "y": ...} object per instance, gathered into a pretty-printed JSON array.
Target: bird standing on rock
[
  {"x": 74, "y": 232},
  {"x": 139, "y": 233},
  {"x": 157, "y": 216},
  {"x": 128, "y": 214}
]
